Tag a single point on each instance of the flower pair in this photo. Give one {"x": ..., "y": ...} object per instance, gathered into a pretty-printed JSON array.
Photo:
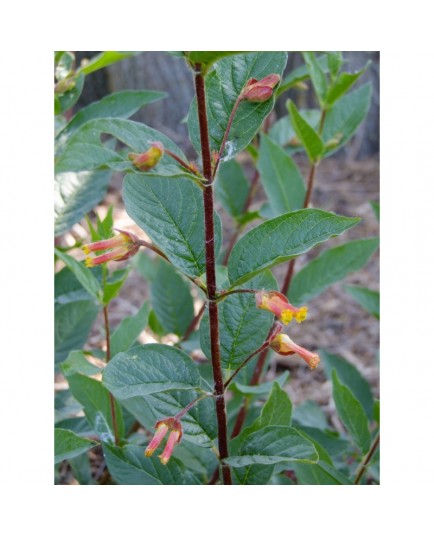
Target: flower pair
[
  {"x": 170, "y": 424},
  {"x": 122, "y": 247},
  {"x": 278, "y": 304}
]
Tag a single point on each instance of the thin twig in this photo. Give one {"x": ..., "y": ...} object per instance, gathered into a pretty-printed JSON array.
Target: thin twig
[
  {"x": 107, "y": 358},
  {"x": 365, "y": 462}
]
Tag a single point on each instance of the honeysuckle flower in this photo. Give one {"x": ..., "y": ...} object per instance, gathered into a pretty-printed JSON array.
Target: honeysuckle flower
[
  {"x": 283, "y": 345},
  {"x": 278, "y": 303},
  {"x": 260, "y": 90},
  {"x": 121, "y": 247},
  {"x": 171, "y": 425},
  {"x": 147, "y": 160}
]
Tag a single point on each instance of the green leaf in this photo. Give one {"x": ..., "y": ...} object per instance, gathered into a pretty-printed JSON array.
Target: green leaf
[
  {"x": 334, "y": 62},
  {"x": 306, "y": 134},
  {"x": 242, "y": 326},
  {"x": 172, "y": 214},
  {"x": 103, "y": 60},
  {"x": 75, "y": 194},
  {"x": 350, "y": 377},
  {"x": 145, "y": 265},
  {"x": 300, "y": 74},
  {"x": 222, "y": 88},
  {"x": 342, "y": 121},
  {"x": 335, "y": 446},
  {"x": 121, "y": 104},
  {"x": 206, "y": 59},
  {"x": 232, "y": 188},
  {"x": 129, "y": 466},
  {"x": 200, "y": 460},
  {"x": 95, "y": 399},
  {"x": 332, "y": 265},
  {"x": 341, "y": 86},
  {"x": 274, "y": 444},
  {"x": 126, "y": 334},
  {"x": 199, "y": 425},
  {"x": 283, "y": 133},
  {"x": 252, "y": 475},
  {"x": 84, "y": 149},
  {"x": 262, "y": 389},
  {"x": 72, "y": 324},
  {"x": 351, "y": 413},
  {"x": 113, "y": 284},
  {"x": 277, "y": 411},
  {"x": 68, "y": 445},
  {"x": 281, "y": 178},
  {"x": 171, "y": 299},
  {"x": 367, "y": 298},
  {"x": 83, "y": 274},
  {"x": 77, "y": 362},
  {"x": 281, "y": 239},
  {"x": 310, "y": 414},
  {"x": 65, "y": 101},
  {"x": 317, "y": 75},
  {"x": 320, "y": 474},
  {"x": 81, "y": 469},
  {"x": 150, "y": 368},
  {"x": 79, "y": 425}
]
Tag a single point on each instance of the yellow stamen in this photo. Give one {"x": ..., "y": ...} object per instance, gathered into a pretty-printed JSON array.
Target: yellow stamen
[
  {"x": 286, "y": 316},
  {"x": 89, "y": 262},
  {"x": 301, "y": 315},
  {"x": 86, "y": 249}
]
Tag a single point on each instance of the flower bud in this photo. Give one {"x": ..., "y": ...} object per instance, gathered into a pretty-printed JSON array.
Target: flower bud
[
  {"x": 121, "y": 248},
  {"x": 260, "y": 90},
  {"x": 149, "y": 159},
  {"x": 283, "y": 345},
  {"x": 278, "y": 304}
]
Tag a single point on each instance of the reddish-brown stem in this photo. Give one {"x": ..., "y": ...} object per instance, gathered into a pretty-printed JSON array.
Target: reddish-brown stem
[
  {"x": 194, "y": 323},
  {"x": 208, "y": 202},
  {"x": 152, "y": 247},
  {"x": 310, "y": 181},
  {"x": 367, "y": 459},
  {"x": 107, "y": 358},
  {"x": 244, "y": 363},
  {"x": 226, "y": 135},
  {"x": 181, "y": 414},
  {"x": 181, "y": 162}
]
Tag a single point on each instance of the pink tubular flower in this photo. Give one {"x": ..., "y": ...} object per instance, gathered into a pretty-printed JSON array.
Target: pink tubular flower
[
  {"x": 170, "y": 424},
  {"x": 278, "y": 303},
  {"x": 122, "y": 247},
  {"x": 147, "y": 160},
  {"x": 260, "y": 90},
  {"x": 283, "y": 345}
]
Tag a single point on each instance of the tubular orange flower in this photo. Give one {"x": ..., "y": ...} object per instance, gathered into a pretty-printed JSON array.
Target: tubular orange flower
[
  {"x": 170, "y": 424},
  {"x": 260, "y": 90},
  {"x": 278, "y": 303},
  {"x": 283, "y": 345},
  {"x": 122, "y": 247},
  {"x": 147, "y": 160}
]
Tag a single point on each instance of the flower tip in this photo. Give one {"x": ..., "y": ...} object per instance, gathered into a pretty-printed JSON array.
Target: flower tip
[
  {"x": 314, "y": 361},
  {"x": 286, "y": 316},
  {"x": 89, "y": 262},
  {"x": 164, "y": 459},
  {"x": 86, "y": 249}
]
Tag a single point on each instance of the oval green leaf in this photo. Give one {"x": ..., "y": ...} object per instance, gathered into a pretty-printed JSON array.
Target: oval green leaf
[{"x": 282, "y": 238}]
